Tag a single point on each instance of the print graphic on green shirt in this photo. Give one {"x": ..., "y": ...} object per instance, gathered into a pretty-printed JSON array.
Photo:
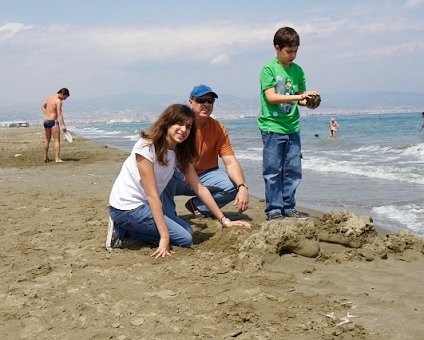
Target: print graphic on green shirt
[{"x": 284, "y": 86}]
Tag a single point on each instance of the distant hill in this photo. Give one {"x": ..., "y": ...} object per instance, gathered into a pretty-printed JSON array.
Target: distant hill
[
  {"x": 141, "y": 106},
  {"x": 374, "y": 99}
]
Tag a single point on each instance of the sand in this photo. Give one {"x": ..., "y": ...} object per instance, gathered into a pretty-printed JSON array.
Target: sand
[{"x": 331, "y": 277}]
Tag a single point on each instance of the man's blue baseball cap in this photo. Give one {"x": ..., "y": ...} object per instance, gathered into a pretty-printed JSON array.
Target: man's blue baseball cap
[{"x": 201, "y": 90}]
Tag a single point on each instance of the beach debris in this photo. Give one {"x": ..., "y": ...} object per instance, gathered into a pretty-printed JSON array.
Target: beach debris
[
  {"x": 341, "y": 320},
  {"x": 346, "y": 319},
  {"x": 234, "y": 334},
  {"x": 138, "y": 321},
  {"x": 331, "y": 316},
  {"x": 347, "y": 304},
  {"x": 18, "y": 155}
]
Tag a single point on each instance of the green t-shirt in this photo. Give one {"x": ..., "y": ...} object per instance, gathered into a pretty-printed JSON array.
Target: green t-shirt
[{"x": 280, "y": 118}]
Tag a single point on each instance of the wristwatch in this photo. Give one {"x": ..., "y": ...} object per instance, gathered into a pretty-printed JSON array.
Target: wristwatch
[{"x": 242, "y": 185}]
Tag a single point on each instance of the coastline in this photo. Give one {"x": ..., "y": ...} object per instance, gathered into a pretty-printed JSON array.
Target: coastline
[{"x": 59, "y": 280}]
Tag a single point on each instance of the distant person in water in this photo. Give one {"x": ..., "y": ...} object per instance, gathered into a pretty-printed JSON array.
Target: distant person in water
[
  {"x": 422, "y": 126},
  {"x": 333, "y": 128},
  {"x": 52, "y": 109}
]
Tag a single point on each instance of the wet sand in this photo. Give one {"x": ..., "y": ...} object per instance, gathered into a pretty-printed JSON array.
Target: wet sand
[{"x": 331, "y": 277}]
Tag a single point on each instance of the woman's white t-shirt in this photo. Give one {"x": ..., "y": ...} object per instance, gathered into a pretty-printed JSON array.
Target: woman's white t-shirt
[{"x": 127, "y": 192}]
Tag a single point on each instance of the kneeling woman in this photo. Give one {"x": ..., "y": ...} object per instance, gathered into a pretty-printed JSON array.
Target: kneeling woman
[{"x": 135, "y": 206}]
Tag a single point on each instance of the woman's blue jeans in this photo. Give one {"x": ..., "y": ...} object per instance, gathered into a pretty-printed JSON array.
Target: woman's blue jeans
[
  {"x": 138, "y": 224},
  {"x": 282, "y": 171},
  {"x": 217, "y": 181}
]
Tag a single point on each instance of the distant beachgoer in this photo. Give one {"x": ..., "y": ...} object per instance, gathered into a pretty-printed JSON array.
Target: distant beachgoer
[
  {"x": 52, "y": 109},
  {"x": 135, "y": 205},
  {"x": 333, "y": 128},
  {"x": 422, "y": 126}
]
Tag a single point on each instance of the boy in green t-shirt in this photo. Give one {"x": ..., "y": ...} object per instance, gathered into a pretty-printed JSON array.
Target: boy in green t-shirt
[{"x": 283, "y": 88}]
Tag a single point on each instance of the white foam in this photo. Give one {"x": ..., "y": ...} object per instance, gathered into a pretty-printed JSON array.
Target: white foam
[
  {"x": 251, "y": 154},
  {"x": 371, "y": 149},
  {"x": 416, "y": 150},
  {"x": 380, "y": 171},
  {"x": 118, "y": 121},
  {"x": 410, "y": 216},
  {"x": 132, "y": 138}
]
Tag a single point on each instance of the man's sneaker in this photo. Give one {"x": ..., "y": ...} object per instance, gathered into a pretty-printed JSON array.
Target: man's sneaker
[
  {"x": 277, "y": 216},
  {"x": 193, "y": 209},
  {"x": 112, "y": 239},
  {"x": 297, "y": 214}
]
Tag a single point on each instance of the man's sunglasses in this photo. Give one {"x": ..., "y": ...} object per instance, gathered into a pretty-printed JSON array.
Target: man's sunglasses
[{"x": 204, "y": 100}]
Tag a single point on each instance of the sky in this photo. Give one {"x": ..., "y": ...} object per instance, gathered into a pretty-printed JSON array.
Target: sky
[{"x": 100, "y": 48}]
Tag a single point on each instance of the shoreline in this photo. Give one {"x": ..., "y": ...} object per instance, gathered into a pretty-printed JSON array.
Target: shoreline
[
  {"x": 313, "y": 212},
  {"x": 59, "y": 280}
]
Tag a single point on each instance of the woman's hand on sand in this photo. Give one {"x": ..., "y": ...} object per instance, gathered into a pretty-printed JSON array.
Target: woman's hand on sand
[
  {"x": 163, "y": 250},
  {"x": 237, "y": 223}
]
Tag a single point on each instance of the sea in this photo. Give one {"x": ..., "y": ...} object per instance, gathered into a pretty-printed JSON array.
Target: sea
[{"x": 374, "y": 167}]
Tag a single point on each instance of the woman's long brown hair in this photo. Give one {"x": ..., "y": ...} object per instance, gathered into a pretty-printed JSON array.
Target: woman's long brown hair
[{"x": 186, "y": 151}]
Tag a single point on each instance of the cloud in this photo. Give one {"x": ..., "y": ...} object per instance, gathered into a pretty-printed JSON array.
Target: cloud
[
  {"x": 115, "y": 58},
  {"x": 387, "y": 51},
  {"x": 414, "y": 3},
  {"x": 190, "y": 42},
  {"x": 221, "y": 59},
  {"x": 10, "y": 29}
]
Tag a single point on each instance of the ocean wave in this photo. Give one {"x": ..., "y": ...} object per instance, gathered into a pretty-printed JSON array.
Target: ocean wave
[
  {"x": 416, "y": 150},
  {"x": 251, "y": 154},
  {"x": 410, "y": 216},
  {"x": 121, "y": 121},
  {"x": 381, "y": 171}
]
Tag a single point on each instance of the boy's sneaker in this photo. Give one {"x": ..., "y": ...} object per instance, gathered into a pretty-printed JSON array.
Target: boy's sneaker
[
  {"x": 297, "y": 214},
  {"x": 112, "y": 239},
  {"x": 277, "y": 216}
]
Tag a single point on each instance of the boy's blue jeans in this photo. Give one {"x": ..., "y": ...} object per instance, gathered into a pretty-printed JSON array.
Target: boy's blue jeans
[
  {"x": 138, "y": 224},
  {"x": 217, "y": 181},
  {"x": 282, "y": 171}
]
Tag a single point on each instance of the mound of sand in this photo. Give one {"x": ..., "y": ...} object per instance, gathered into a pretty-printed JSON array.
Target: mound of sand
[
  {"x": 345, "y": 228},
  {"x": 356, "y": 237},
  {"x": 283, "y": 237}
]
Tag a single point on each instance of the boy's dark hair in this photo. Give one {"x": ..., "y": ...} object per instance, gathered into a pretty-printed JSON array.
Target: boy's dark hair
[
  {"x": 64, "y": 91},
  {"x": 286, "y": 37}
]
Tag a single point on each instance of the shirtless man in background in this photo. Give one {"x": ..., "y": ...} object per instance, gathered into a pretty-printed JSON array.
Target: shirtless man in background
[{"x": 52, "y": 109}]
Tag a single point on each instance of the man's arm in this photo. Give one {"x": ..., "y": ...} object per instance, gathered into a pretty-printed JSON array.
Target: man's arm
[
  {"x": 206, "y": 197},
  {"x": 236, "y": 174},
  {"x": 44, "y": 108},
  {"x": 60, "y": 115}
]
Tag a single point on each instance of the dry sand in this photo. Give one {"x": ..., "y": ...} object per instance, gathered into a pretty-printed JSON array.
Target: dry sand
[{"x": 280, "y": 280}]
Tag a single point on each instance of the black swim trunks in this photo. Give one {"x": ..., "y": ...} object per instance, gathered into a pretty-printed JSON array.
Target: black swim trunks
[{"x": 49, "y": 123}]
